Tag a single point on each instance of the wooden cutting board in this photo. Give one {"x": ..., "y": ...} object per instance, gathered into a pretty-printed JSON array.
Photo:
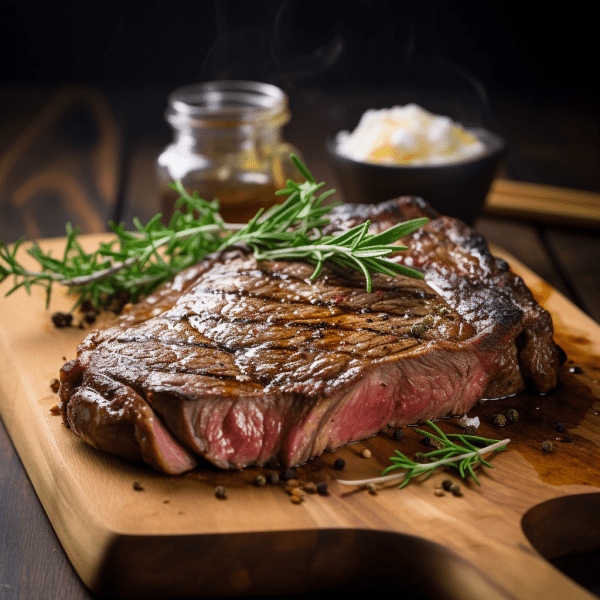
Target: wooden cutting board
[{"x": 172, "y": 537}]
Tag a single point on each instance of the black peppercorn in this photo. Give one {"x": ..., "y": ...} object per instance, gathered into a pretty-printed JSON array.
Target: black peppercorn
[
  {"x": 90, "y": 317},
  {"x": 398, "y": 434},
  {"x": 289, "y": 474},
  {"x": 61, "y": 319},
  {"x": 561, "y": 428},
  {"x": 220, "y": 492},
  {"x": 339, "y": 464},
  {"x": 260, "y": 480},
  {"x": 447, "y": 484},
  {"x": 471, "y": 430},
  {"x": 85, "y": 306},
  {"x": 500, "y": 420},
  {"x": 512, "y": 415},
  {"x": 547, "y": 446},
  {"x": 273, "y": 477},
  {"x": 426, "y": 441},
  {"x": 455, "y": 489},
  {"x": 322, "y": 488}
]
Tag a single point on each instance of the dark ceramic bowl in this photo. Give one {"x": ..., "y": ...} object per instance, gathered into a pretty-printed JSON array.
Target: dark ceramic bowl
[{"x": 456, "y": 189}]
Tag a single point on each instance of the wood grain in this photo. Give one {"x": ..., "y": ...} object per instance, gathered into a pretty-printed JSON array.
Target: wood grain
[
  {"x": 543, "y": 203},
  {"x": 175, "y": 538}
]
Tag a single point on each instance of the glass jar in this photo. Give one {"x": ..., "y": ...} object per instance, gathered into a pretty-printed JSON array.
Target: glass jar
[{"x": 228, "y": 145}]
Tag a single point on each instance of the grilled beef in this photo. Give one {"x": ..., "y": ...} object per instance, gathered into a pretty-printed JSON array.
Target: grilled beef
[{"x": 249, "y": 363}]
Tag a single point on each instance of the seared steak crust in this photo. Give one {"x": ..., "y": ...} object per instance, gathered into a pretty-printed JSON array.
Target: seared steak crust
[{"x": 249, "y": 363}]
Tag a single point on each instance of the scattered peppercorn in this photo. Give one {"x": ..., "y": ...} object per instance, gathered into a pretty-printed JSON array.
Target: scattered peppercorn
[
  {"x": 547, "y": 446},
  {"x": 366, "y": 453},
  {"x": 90, "y": 317},
  {"x": 297, "y": 499},
  {"x": 455, "y": 489},
  {"x": 85, "y": 306},
  {"x": 500, "y": 420},
  {"x": 560, "y": 427},
  {"x": 471, "y": 430},
  {"x": 322, "y": 488},
  {"x": 61, "y": 319},
  {"x": 398, "y": 434},
  {"x": 137, "y": 486},
  {"x": 54, "y": 385},
  {"x": 372, "y": 488},
  {"x": 260, "y": 480},
  {"x": 339, "y": 464},
  {"x": 220, "y": 492},
  {"x": 447, "y": 484},
  {"x": 297, "y": 491},
  {"x": 273, "y": 477},
  {"x": 310, "y": 487},
  {"x": 512, "y": 415},
  {"x": 426, "y": 441},
  {"x": 289, "y": 474}
]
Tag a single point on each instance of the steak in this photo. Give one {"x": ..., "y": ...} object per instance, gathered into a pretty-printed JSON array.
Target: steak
[{"x": 246, "y": 363}]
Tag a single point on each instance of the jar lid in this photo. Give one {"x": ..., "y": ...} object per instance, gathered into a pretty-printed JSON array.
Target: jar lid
[{"x": 227, "y": 104}]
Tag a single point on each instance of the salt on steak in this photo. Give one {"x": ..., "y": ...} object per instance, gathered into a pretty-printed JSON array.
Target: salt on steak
[{"x": 249, "y": 363}]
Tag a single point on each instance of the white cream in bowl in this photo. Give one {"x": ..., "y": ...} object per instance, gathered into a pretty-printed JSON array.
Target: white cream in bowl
[{"x": 408, "y": 135}]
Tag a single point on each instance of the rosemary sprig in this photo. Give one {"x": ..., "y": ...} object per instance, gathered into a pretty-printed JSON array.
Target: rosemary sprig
[
  {"x": 131, "y": 265},
  {"x": 138, "y": 261},
  {"x": 463, "y": 457},
  {"x": 293, "y": 230}
]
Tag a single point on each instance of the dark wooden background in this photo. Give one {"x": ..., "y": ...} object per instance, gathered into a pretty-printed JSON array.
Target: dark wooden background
[{"x": 83, "y": 90}]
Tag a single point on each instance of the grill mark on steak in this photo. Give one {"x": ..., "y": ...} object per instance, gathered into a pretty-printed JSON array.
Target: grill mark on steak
[
  {"x": 339, "y": 296},
  {"x": 278, "y": 353},
  {"x": 207, "y": 324},
  {"x": 248, "y": 363}
]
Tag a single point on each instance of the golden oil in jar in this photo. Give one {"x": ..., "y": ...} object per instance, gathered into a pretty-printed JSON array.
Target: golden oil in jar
[{"x": 227, "y": 144}]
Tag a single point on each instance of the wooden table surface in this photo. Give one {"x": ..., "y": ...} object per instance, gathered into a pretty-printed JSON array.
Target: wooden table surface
[{"x": 86, "y": 155}]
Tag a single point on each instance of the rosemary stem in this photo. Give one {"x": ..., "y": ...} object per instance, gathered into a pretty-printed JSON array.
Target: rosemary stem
[
  {"x": 181, "y": 234},
  {"x": 116, "y": 267},
  {"x": 312, "y": 248},
  {"x": 425, "y": 467},
  {"x": 42, "y": 274}
]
